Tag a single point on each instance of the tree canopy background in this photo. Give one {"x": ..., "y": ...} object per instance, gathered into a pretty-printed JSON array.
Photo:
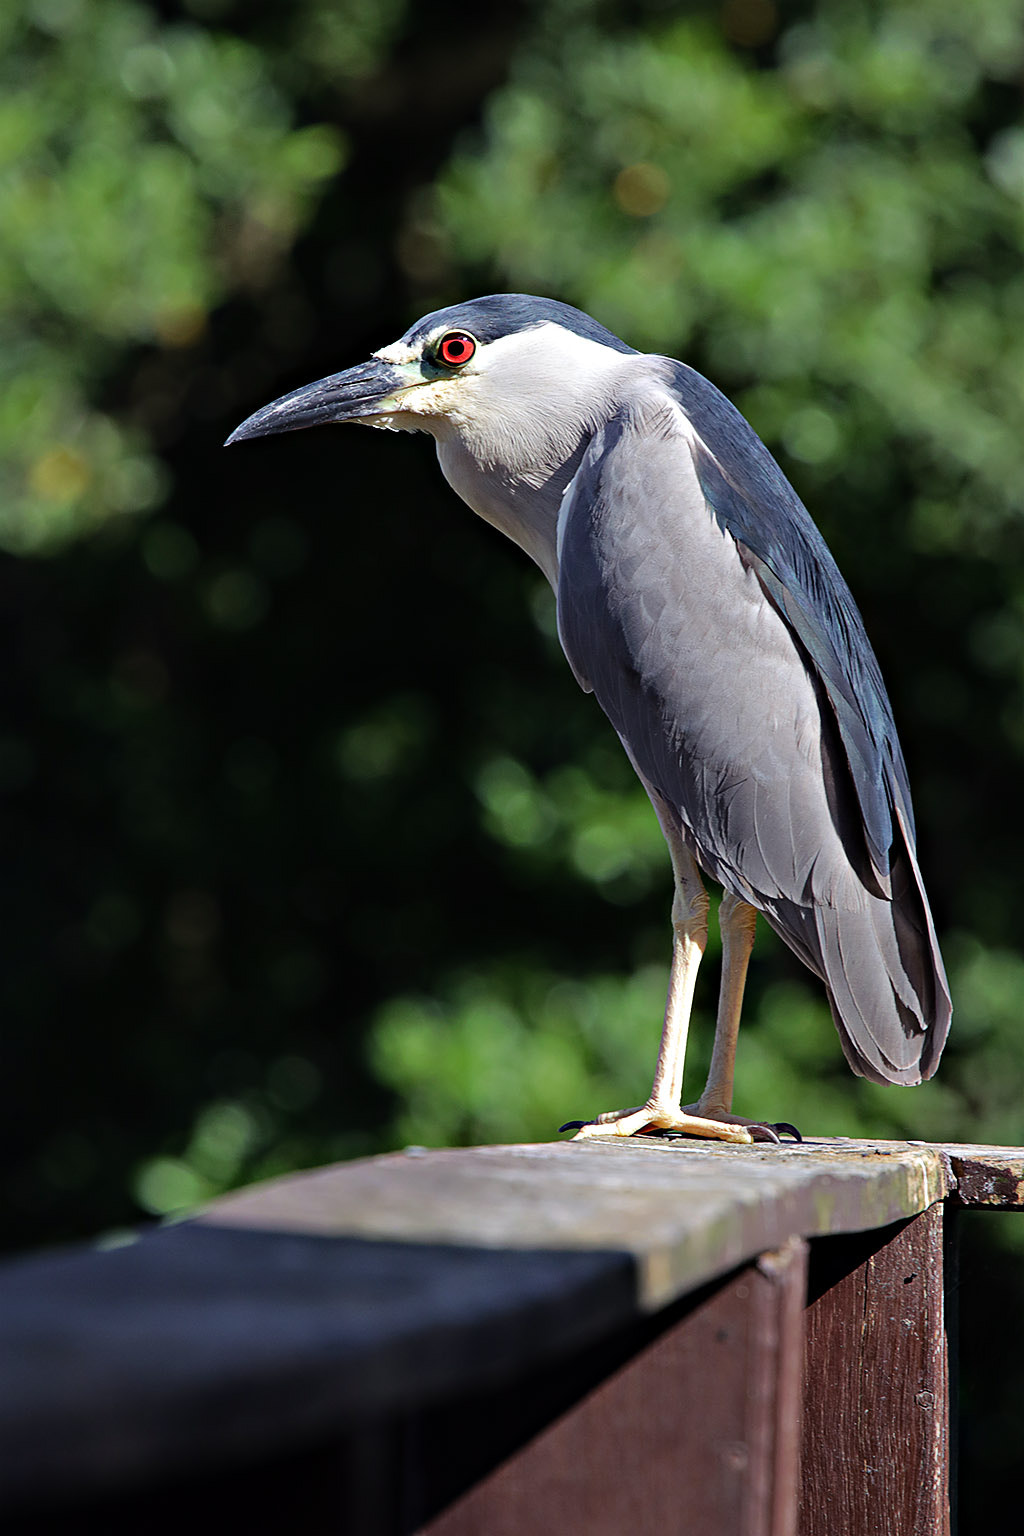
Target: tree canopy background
[{"x": 311, "y": 846}]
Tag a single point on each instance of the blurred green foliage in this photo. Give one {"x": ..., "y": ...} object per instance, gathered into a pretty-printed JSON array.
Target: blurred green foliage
[
  {"x": 147, "y": 169},
  {"x": 311, "y": 846}
]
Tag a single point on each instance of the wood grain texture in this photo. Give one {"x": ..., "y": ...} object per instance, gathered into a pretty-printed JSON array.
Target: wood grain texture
[
  {"x": 686, "y": 1211},
  {"x": 987, "y": 1178},
  {"x": 876, "y": 1398},
  {"x": 698, "y": 1432}
]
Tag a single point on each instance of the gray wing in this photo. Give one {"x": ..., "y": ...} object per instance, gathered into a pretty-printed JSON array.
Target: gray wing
[
  {"x": 686, "y": 637},
  {"x": 750, "y": 495}
]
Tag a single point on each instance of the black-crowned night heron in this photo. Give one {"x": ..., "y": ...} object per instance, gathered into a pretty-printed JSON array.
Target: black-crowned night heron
[{"x": 699, "y": 603}]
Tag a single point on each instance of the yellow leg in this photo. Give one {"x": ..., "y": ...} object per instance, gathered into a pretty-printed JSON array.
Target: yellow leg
[
  {"x": 738, "y": 921},
  {"x": 662, "y": 1111}
]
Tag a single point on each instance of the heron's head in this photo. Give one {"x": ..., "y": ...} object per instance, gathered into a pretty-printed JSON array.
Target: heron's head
[{"x": 503, "y": 372}]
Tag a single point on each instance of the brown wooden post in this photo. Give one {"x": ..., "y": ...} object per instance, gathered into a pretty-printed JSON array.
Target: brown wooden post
[
  {"x": 876, "y": 1445},
  {"x": 699, "y": 1432}
]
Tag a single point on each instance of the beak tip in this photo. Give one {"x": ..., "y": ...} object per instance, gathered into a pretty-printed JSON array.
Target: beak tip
[
  {"x": 341, "y": 397},
  {"x": 256, "y": 425}
]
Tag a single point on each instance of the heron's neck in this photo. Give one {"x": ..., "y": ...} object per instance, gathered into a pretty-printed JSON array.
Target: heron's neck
[{"x": 521, "y": 499}]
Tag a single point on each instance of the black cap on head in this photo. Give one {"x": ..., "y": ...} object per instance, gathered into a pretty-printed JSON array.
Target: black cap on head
[{"x": 503, "y": 314}]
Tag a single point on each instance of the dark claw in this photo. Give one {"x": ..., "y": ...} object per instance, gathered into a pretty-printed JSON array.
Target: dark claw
[
  {"x": 575, "y": 1125},
  {"x": 774, "y": 1131}
]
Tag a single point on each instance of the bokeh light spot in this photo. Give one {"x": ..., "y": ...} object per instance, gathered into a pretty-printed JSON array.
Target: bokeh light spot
[{"x": 642, "y": 189}]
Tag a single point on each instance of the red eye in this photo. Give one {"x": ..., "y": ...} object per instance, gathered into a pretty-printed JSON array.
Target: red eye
[{"x": 456, "y": 348}]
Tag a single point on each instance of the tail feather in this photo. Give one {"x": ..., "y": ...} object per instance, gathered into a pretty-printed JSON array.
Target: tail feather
[
  {"x": 886, "y": 981},
  {"x": 879, "y": 959}
]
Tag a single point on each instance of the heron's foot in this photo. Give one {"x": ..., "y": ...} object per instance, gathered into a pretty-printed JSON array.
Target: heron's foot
[
  {"x": 760, "y": 1130},
  {"x": 655, "y": 1118}
]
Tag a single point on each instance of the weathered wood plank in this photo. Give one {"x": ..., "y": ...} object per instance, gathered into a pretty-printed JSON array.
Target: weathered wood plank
[
  {"x": 686, "y": 1212},
  {"x": 987, "y": 1178},
  {"x": 876, "y": 1431},
  {"x": 698, "y": 1432}
]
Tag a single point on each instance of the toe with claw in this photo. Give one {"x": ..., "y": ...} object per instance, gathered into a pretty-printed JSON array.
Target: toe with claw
[{"x": 653, "y": 1119}]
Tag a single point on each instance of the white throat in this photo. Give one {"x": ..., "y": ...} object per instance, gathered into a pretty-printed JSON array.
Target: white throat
[{"x": 513, "y": 438}]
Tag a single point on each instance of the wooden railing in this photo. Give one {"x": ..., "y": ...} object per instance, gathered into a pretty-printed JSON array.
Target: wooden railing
[{"x": 642, "y": 1337}]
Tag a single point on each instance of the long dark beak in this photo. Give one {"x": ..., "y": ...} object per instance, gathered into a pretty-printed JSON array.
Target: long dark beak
[{"x": 359, "y": 392}]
